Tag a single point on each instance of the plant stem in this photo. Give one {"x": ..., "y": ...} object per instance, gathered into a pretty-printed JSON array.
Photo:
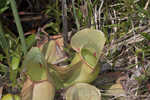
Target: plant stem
[
  {"x": 75, "y": 16},
  {"x": 19, "y": 26},
  {"x": 3, "y": 41},
  {"x": 65, "y": 23}
]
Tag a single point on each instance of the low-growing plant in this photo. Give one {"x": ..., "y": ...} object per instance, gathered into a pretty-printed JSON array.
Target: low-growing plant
[{"x": 43, "y": 76}]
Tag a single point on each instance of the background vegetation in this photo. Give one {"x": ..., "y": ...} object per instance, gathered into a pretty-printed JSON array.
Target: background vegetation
[{"x": 125, "y": 24}]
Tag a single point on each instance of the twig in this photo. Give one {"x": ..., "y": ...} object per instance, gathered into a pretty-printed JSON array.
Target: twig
[
  {"x": 99, "y": 11},
  {"x": 146, "y": 5},
  {"x": 95, "y": 16},
  {"x": 134, "y": 37}
]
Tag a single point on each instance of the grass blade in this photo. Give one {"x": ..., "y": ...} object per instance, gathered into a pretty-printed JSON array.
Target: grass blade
[{"x": 18, "y": 23}]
